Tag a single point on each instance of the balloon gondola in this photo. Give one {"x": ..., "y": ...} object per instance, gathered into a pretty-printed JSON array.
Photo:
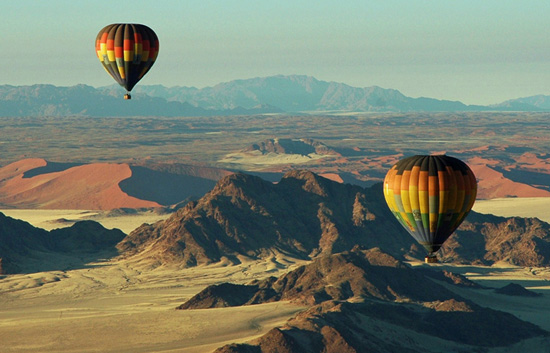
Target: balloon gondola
[
  {"x": 127, "y": 51},
  {"x": 430, "y": 196}
]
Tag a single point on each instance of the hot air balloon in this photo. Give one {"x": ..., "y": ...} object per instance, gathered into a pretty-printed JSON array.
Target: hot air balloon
[
  {"x": 430, "y": 196},
  {"x": 127, "y": 51}
]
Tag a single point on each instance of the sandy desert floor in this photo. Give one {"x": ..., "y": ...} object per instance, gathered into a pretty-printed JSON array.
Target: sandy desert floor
[
  {"x": 112, "y": 307},
  {"x": 119, "y": 307},
  {"x": 538, "y": 207},
  {"x": 51, "y": 219}
]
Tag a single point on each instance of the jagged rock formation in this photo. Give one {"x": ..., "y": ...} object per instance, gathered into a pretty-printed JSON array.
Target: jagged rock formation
[
  {"x": 486, "y": 239},
  {"x": 302, "y": 216},
  {"x": 394, "y": 308},
  {"x": 343, "y": 276},
  {"x": 291, "y": 146},
  {"x": 370, "y": 326},
  {"x": 305, "y": 215}
]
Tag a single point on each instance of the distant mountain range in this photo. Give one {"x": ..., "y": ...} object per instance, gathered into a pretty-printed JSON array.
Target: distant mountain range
[{"x": 263, "y": 95}]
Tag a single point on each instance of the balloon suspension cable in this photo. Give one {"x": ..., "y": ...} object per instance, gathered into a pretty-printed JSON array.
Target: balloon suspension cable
[
  {"x": 127, "y": 96},
  {"x": 431, "y": 259}
]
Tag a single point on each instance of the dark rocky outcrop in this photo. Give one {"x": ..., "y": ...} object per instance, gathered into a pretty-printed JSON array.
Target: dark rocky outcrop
[
  {"x": 302, "y": 216},
  {"x": 486, "y": 239},
  {"x": 305, "y": 216},
  {"x": 516, "y": 290},
  {"x": 394, "y": 308},
  {"x": 24, "y": 248},
  {"x": 356, "y": 274},
  {"x": 370, "y": 326}
]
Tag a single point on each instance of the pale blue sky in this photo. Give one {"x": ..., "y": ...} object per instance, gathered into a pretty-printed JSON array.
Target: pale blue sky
[{"x": 478, "y": 52}]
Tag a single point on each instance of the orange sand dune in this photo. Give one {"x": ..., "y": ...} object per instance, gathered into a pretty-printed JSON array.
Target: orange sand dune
[
  {"x": 532, "y": 161},
  {"x": 492, "y": 184},
  {"x": 91, "y": 187},
  {"x": 16, "y": 168}
]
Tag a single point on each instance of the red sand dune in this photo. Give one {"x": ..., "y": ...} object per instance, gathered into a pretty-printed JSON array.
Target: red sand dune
[
  {"x": 492, "y": 184},
  {"x": 96, "y": 186},
  {"x": 91, "y": 186},
  {"x": 533, "y": 162},
  {"x": 20, "y": 167}
]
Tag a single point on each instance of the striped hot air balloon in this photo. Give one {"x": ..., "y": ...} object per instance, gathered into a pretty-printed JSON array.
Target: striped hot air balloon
[
  {"x": 430, "y": 196},
  {"x": 127, "y": 51}
]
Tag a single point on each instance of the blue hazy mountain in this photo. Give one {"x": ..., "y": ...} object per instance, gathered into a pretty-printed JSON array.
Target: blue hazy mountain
[
  {"x": 540, "y": 102},
  {"x": 298, "y": 93},
  {"x": 262, "y": 95}
]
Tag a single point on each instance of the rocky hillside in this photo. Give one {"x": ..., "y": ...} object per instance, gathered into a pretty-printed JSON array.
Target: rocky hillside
[
  {"x": 343, "y": 276},
  {"x": 345, "y": 327},
  {"x": 302, "y": 216},
  {"x": 24, "y": 248},
  {"x": 487, "y": 239},
  {"x": 305, "y": 215},
  {"x": 291, "y": 146},
  {"x": 394, "y": 308}
]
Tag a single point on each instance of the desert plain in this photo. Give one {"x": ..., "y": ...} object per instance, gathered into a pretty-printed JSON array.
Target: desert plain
[{"x": 118, "y": 306}]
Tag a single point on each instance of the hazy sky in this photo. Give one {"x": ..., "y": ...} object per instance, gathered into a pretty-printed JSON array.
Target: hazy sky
[{"x": 478, "y": 52}]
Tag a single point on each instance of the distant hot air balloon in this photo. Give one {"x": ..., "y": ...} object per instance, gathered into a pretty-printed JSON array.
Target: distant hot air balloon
[
  {"x": 127, "y": 52},
  {"x": 430, "y": 196}
]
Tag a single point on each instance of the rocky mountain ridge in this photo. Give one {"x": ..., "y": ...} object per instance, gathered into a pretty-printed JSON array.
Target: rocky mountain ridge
[
  {"x": 296, "y": 93},
  {"x": 262, "y": 95},
  {"x": 306, "y": 216},
  {"x": 291, "y": 146},
  {"x": 26, "y": 249},
  {"x": 350, "y": 275},
  {"x": 362, "y": 299},
  {"x": 83, "y": 100}
]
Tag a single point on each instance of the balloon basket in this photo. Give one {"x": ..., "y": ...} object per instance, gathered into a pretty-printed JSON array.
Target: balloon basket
[
  {"x": 127, "y": 96},
  {"x": 431, "y": 259}
]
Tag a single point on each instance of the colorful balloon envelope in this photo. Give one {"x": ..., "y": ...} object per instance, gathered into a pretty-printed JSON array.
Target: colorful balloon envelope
[
  {"x": 430, "y": 196},
  {"x": 127, "y": 51}
]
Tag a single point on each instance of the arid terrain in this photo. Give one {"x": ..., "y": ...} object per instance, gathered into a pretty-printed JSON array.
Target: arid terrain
[
  {"x": 128, "y": 303},
  {"x": 188, "y": 223},
  {"x": 115, "y": 307}
]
